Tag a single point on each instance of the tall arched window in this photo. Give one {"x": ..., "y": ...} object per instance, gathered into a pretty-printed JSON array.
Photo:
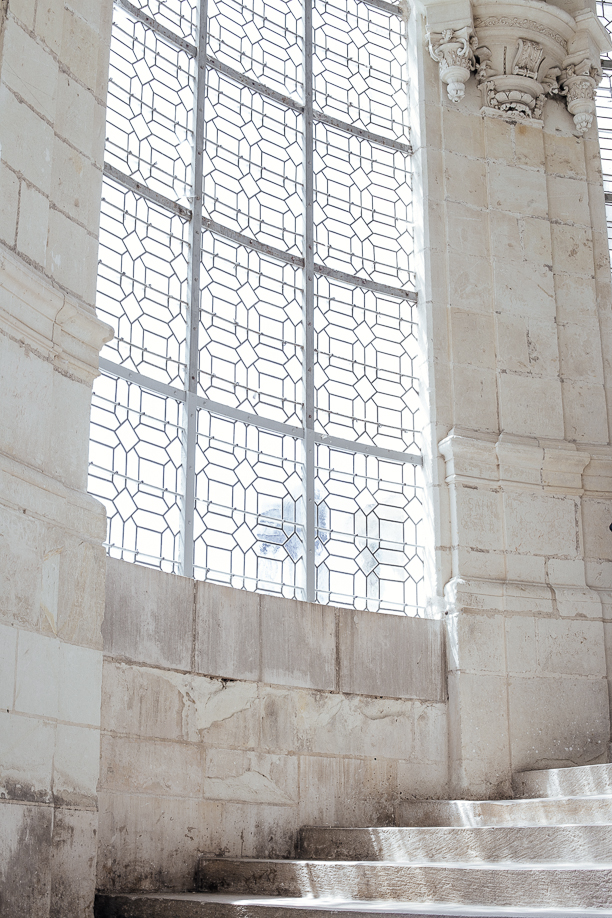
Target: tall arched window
[{"x": 256, "y": 422}]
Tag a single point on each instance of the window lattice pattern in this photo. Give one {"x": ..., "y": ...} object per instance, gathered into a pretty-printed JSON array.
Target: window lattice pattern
[
  {"x": 256, "y": 422},
  {"x": 604, "y": 114}
]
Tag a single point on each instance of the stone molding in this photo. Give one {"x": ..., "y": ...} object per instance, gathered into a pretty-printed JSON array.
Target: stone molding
[
  {"x": 522, "y": 53},
  {"x": 56, "y": 326}
]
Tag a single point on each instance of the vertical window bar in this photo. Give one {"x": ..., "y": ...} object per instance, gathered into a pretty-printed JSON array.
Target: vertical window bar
[
  {"x": 309, "y": 282},
  {"x": 191, "y": 420}
]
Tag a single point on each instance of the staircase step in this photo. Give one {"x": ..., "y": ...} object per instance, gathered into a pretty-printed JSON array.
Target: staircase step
[
  {"x": 508, "y": 844},
  {"x": 504, "y": 885},
  {"x": 586, "y": 780},
  {"x": 542, "y": 811},
  {"x": 195, "y": 905}
]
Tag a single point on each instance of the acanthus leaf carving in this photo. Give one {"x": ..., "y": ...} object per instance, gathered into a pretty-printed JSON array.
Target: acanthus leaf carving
[{"x": 453, "y": 51}]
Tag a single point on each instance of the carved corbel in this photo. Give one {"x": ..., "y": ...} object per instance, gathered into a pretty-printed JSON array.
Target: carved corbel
[
  {"x": 578, "y": 84},
  {"x": 453, "y": 51}
]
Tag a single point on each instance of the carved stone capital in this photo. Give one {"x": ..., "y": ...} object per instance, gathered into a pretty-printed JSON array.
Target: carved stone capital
[
  {"x": 578, "y": 84},
  {"x": 453, "y": 50}
]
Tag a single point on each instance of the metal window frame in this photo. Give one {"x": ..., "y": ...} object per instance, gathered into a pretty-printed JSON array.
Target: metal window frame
[{"x": 189, "y": 396}]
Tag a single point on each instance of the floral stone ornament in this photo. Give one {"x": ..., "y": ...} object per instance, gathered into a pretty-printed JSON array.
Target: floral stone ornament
[{"x": 454, "y": 52}]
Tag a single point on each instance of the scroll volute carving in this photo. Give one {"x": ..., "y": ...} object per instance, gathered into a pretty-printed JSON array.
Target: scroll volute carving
[{"x": 453, "y": 50}]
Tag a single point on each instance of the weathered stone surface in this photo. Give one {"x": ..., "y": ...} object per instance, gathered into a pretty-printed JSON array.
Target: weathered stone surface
[
  {"x": 227, "y": 640},
  {"x": 298, "y": 644}
]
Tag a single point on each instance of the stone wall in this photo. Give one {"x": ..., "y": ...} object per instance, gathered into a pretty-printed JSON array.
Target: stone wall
[{"x": 230, "y": 719}]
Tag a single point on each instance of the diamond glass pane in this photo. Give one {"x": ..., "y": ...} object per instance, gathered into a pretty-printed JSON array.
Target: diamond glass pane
[
  {"x": 136, "y": 471},
  {"x": 179, "y": 16},
  {"x": 263, "y": 39},
  {"x": 361, "y": 207},
  {"x": 250, "y": 507},
  {"x": 253, "y": 164},
  {"x": 142, "y": 284},
  {"x": 251, "y": 332},
  {"x": 369, "y": 512},
  {"x": 365, "y": 377},
  {"x": 360, "y": 66},
  {"x": 149, "y": 133}
]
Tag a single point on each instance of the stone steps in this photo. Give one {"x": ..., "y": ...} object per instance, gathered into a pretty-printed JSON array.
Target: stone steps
[
  {"x": 586, "y": 781},
  {"x": 542, "y": 811},
  {"x": 518, "y": 844}
]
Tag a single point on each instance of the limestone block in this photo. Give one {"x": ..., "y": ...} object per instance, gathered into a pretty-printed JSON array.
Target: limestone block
[
  {"x": 467, "y": 229},
  {"x": 25, "y": 851},
  {"x": 572, "y": 249},
  {"x": 525, "y": 289},
  {"x": 28, "y": 150},
  {"x": 521, "y": 645},
  {"x": 580, "y": 350},
  {"x": 565, "y": 154},
  {"x": 77, "y": 186},
  {"x": 528, "y": 146},
  {"x": 465, "y": 180},
  {"x": 475, "y": 397},
  {"x": 33, "y": 224},
  {"x": 569, "y": 724},
  {"x": 543, "y": 524},
  {"x": 470, "y": 282},
  {"x": 537, "y": 241},
  {"x": 499, "y": 140},
  {"x": 37, "y": 683},
  {"x": 526, "y": 568},
  {"x": 79, "y": 49},
  {"x": 8, "y": 664},
  {"x": 563, "y": 572},
  {"x": 347, "y": 792},
  {"x": 584, "y": 409},
  {"x": 478, "y": 563},
  {"x": 29, "y": 70},
  {"x": 430, "y": 732},
  {"x": 506, "y": 236},
  {"x": 80, "y": 592},
  {"x": 9, "y": 204},
  {"x": 73, "y": 861},
  {"x": 572, "y": 603},
  {"x": 527, "y": 345},
  {"x": 76, "y": 765},
  {"x": 576, "y": 297},
  {"x": 244, "y": 830},
  {"x": 217, "y": 712},
  {"x": 72, "y": 256},
  {"x": 76, "y": 119},
  {"x": 251, "y": 777},
  {"x": 532, "y": 598},
  {"x": 149, "y": 615},
  {"x": 599, "y": 575},
  {"x": 391, "y": 655},
  {"x": 478, "y": 520},
  {"x": 23, "y": 11},
  {"x": 80, "y": 684},
  {"x": 475, "y": 643},
  {"x": 473, "y": 337},
  {"x": 279, "y": 717},
  {"x": 418, "y": 782},
  {"x": 298, "y": 643},
  {"x": 518, "y": 190},
  {"x": 572, "y": 648},
  {"x": 227, "y": 631},
  {"x": 531, "y": 406},
  {"x": 569, "y": 200},
  {"x": 144, "y": 766},
  {"x": 26, "y": 753},
  {"x": 596, "y": 520},
  {"x": 26, "y": 382},
  {"x": 463, "y": 133}
]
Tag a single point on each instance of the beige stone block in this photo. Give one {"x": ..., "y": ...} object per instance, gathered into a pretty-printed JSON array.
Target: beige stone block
[
  {"x": 76, "y": 115},
  {"x": 473, "y": 338},
  {"x": 298, "y": 643},
  {"x": 599, "y": 575},
  {"x": 79, "y": 49},
  {"x": 27, "y": 385},
  {"x": 251, "y": 777},
  {"x": 77, "y": 186},
  {"x": 24, "y": 11},
  {"x": 28, "y": 150},
  {"x": 50, "y": 24},
  {"x": 390, "y": 656},
  {"x": 219, "y": 713},
  {"x": 529, "y": 146},
  {"x": 76, "y": 765},
  {"x": 584, "y": 410},
  {"x": 525, "y": 568},
  {"x": 347, "y": 792},
  {"x": 577, "y": 603},
  {"x": 227, "y": 632},
  {"x": 565, "y": 155},
  {"x": 572, "y": 249},
  {"x": 540, "y": 523},
  {"x": 476, "y": 643},
  {"x": 580, "y": 350},
  {"x": 467, "y": 228},
  {"x": 568, "y": 200},
  {"x": 475, "y": 393},
  {"x": 521, "y": 598},
  {"x": 506, "y": 239},
  {"x": 244, "y": 830},
  {"x": 478, "y": 563},
  {"x": 517, "y": 190},
  {"x": 144, "y": 766},
  {"x": 521, "y": 647},
  {"x": 537, "y": 242},
  {"x": 531, "y": 406},
  {"x": 563, "y": 572},
  {"x": 29, "y": 70},
  {"x": 576, "y": 297},
  {"x": 26, "y": 755},
  {"x": 25, "y": 852},
  {"x": 526, "y": 345},
  {"x": 73, "y": 861},
  {"x": 69, "y": 420},
  {"x": 478, "y": 738},
  {"x": 149, "y": 615},
  {"x": 430, "y": 732},
  {"x": 465, "y": 180},
  {"x": 9, "y": 204},
  {"x": 37, "y": 684},
  {"x": 463, "y": 133},
  {"x": 20, "y": 567},
  {"x": 416, "y": 781},
  {"x": 567, "y": 725},
  {"x": 596, "y": 520},
  {"x": 142, "y": 702},
  {"x": 72, "y": 256},
  {"x": 8, "y": 666},
  {"x": 33, "y": 224},
  {"x": 499, "y": 139},
  {"x": 81, "y": 590},
  {"x": 470, "y": 282},
  {"x": 524, "y": 288},
  {"x": 478, "y": 518},
  {"x": 80, "y": 685},
  {"x": 573, "y": 648}
]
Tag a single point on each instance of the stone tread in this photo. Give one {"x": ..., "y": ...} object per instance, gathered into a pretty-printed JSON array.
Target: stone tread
[
  {"x": 202, "y": 905},
  {"x": 505, "y": 885},
  {"x": 533, "y": 844},
  {"x": 541, "y": 811},
  {"x": 585, "y": 780}
]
